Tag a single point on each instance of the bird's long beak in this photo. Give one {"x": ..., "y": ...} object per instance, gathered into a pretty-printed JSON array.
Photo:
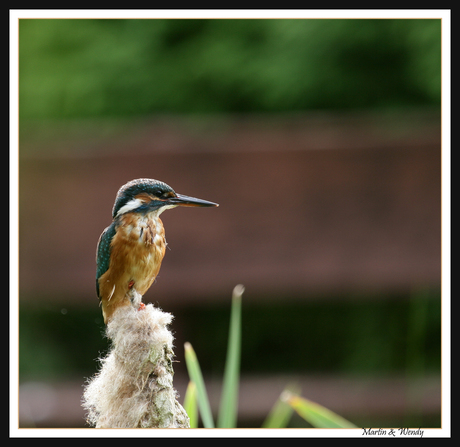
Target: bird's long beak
[{"x": 182, "y": 200}]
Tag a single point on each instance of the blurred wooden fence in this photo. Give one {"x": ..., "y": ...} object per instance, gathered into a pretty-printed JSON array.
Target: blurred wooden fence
[{"x": 307, "y": 204}]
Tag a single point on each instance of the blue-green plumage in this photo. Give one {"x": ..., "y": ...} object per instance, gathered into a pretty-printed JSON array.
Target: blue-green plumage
[
  {"x": 130, "y": 190},
  {"x": 103, "y": 252}
]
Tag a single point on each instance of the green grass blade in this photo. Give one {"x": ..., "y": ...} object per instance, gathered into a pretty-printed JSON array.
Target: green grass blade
[
  {"x": 315, "y": 414},
  {"x": 279, "y": 415},
  {"x": 194, "y": 372},
  {"x": 191, "y": 404},
  {"x": 281, "y": 412},
  {"x": 228, "y": 410}
]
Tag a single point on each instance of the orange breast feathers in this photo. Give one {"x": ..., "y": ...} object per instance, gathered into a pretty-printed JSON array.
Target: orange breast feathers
[{"x": 137, "y": 250}]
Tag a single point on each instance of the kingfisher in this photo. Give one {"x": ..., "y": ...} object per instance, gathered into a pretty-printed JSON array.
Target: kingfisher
[{"x": 130, "y": 250}]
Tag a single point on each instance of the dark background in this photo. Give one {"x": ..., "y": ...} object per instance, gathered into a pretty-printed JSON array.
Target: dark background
[{"x": 320, "y": 140}]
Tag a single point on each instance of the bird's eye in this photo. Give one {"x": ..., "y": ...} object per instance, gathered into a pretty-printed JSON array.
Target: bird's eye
[{"x": 166, "y": 194}]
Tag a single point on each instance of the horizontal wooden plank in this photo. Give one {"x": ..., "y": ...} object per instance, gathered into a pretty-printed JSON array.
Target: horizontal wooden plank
[
  {"x": 293, "y": 217},
  {"x": 52, "y": 405}
]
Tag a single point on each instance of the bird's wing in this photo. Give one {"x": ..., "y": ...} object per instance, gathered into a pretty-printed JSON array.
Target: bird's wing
[{"x": 103, "y": 253}]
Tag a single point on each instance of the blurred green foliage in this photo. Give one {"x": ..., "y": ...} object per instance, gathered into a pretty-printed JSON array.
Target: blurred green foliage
[
  {"x": 347, "y": 336},
  {"x": 57, "y": 342},
  {"x": 76, "y": 68}
]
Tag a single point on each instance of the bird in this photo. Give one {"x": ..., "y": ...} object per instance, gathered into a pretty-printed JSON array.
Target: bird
[{"x": 130, "y": 250}]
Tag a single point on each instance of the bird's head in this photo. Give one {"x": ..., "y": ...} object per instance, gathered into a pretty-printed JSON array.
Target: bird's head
[{"x": 147, "y": 195}]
